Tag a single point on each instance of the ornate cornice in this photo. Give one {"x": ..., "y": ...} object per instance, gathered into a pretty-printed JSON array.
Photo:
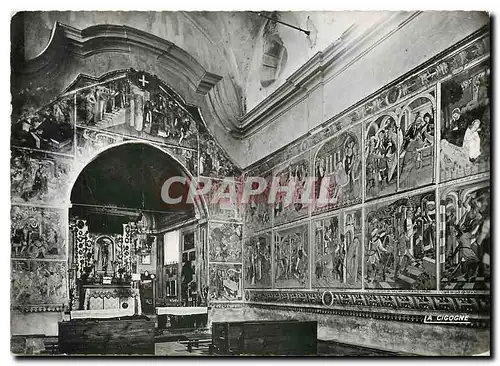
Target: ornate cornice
[
  {"x": 402, "y": 306},
  {"x": 464, "y": 54},
  {"x": 66, "y": 40},
  {"x": 43, "y": 308},
  {"x": 354, "y": 43},
  {"x": 401, "y": 316}
]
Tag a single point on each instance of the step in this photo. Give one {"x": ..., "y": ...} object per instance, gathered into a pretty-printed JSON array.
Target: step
[{"x": 112, "y": 119}]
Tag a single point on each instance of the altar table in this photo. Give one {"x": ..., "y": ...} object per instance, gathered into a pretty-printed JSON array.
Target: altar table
[{"x": 182, "y": 317}]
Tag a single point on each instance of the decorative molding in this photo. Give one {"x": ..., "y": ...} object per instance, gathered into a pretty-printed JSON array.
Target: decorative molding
[
  {"x": 402, "y": 306},
  {"x": 462, "y": 55},
  {"x": 41, "y": 308},
  {"x": 406, "y": 316},
  {"x": 226, "y": 305},
  {"x": 300, "y": 83},
  {"x": 66, "y": 40}
]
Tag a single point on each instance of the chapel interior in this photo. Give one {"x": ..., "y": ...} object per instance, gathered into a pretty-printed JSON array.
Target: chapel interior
[{"x": 388, "y": 111}]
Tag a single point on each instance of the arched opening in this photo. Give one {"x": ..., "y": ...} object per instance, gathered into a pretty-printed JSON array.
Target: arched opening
[{"x": 121, "y": 254}]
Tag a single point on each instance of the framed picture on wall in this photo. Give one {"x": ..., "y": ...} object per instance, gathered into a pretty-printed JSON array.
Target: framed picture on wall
[{"x": 192, "y": 255}]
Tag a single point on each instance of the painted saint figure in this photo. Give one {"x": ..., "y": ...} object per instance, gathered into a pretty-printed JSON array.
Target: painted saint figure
[
  {"x": 472, "y": 141},
  {"x": 374, "y": 254}
]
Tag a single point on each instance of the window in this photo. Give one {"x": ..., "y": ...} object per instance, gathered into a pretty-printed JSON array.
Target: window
[
  {"x": 171, "y": 244},
  {"x": 274, "y": 58}
]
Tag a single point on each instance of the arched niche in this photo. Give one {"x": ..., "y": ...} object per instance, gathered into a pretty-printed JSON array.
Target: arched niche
[{"x": 118, "y": 195}]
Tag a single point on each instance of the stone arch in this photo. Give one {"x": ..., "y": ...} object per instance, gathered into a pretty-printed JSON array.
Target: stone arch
[
  {"x": 200, "y": 204},
  {"x": 124, "y": 265}
]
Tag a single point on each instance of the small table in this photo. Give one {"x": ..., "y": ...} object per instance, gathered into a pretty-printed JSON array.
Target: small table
[{"x": 182, "y": 317}]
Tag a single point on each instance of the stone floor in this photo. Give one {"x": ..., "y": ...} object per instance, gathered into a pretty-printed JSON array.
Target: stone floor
[
  {"x": 177, "y": 349},
  {"x": 325, "y": 348}
]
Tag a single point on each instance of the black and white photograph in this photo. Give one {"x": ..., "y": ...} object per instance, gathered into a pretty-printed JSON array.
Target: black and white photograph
[{"x": 250, "y": 183}]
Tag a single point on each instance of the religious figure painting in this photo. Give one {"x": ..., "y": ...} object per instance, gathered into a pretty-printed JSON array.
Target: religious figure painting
[
  {"x": 50, "y": 128},
  {"x": 465, "y": 231},
  {"x": 338, "y": 251},
  {"x": 90, "y": 142},
  {"x": 257, "y": 256},
  {"x": 382, "y": 137},
  {"x": 222, "y": 199},
  {"x": 416, "y": 152},
  {"x": 399, "y": 147},
  {"x": 187, "y": 157},
  {"x": 38, "y": 177},
  {"x": 225, "y": 282},
  {"x": 38, "y": 283},
  {"x": 139, "y": 105},
  {"x": 291, "y": 257},
  {"x": 337, "y": 168},
  {"x": 37, "y": 233},
  {"x": 258, "y": 210},
  {"x": 295, "y": 174},
  {"x": 465, "y": 124},
  {"x": 225, "y": 242},
  {"x": 213, "y": 161},
  {"x": 400, "y": 244}
]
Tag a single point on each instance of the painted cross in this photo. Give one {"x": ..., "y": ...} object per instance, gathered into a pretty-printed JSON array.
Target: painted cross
[{"x": 143, "y": 81}]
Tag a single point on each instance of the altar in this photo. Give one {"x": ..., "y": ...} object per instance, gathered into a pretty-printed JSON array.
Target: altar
[
  {"x": 182, "y": 317},
  {"x": 112, "y": 297},
  {"x": 104, "y": 273}
]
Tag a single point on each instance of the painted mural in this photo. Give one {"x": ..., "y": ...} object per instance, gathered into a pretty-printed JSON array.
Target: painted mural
[
  {"x": 38, "y": 233},
  {"x": 258, "y": 210},
  {"x": 337, "y": 168},
  {"x": 139, "y": 105},
  {"x": 465, "y": 124},
  {"x": 213, "y": 161},
  {"x": 225, "y": 282},
  {"x": 400, "y": 148},
  {"x": 36, "y": 283},
  {"x": 187, "y": 157},
  {"x": 416, "y": 152},
  {"x": 291, "y": 257},
  {"x": 50, "y": 128},
  {"x": 257, "y": 260},
  {"x": 221, "y": 202},
  {"x": 225, "y": 242},
  {"x": 400, "y": 244},
  {"x": 288, "y": 208},
  {"x": 90, "y": 142},
  {"x": 338, "y": 251},
  {"x": 465, "y": 230},
  {"x": 381, "y": 156},
  {"x": 201, "y": 263},
  {"x": 38, "y": 177}
]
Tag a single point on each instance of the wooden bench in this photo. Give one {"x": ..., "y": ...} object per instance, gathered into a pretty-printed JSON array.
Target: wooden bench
[
  {"x": 277, "y": 337},
  {"x": 197, "y": 343}
]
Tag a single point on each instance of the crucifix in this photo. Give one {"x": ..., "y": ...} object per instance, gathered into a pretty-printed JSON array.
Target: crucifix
[{"x": 143, "y": 81}]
